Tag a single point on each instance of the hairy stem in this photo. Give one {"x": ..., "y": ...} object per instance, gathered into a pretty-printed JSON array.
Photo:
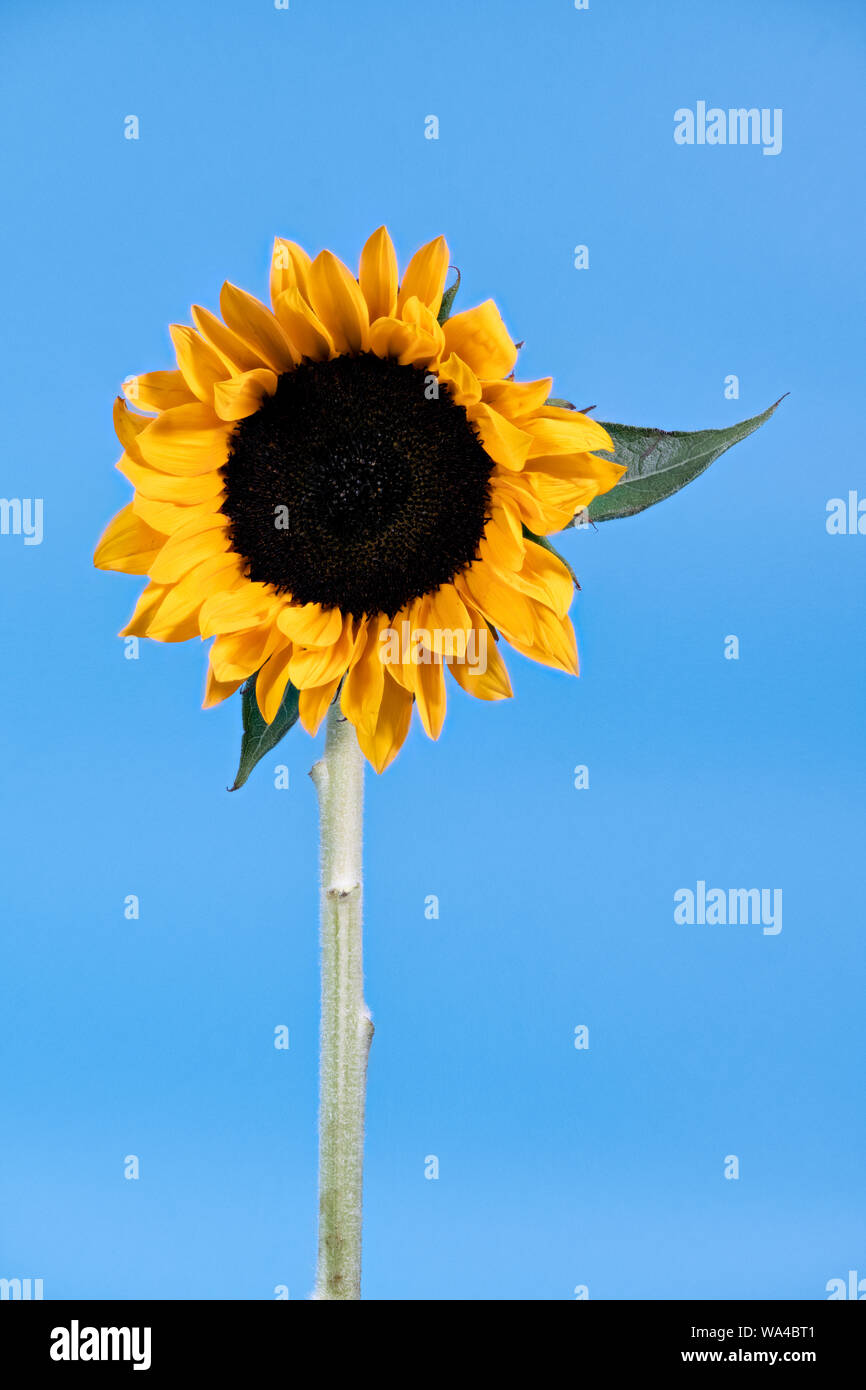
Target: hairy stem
[{"x": 346, "y": 1028}]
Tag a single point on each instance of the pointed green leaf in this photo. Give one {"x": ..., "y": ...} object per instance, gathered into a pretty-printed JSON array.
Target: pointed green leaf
[
  {"x": 259, "y": 738},
  {"x": 448, "y": 298},
  {"x": 660, "y": 462},
  {"x": 563, "y": 404}
]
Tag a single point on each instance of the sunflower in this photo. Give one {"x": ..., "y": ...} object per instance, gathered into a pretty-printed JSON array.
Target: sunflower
[{"x": 349, "y": 492}]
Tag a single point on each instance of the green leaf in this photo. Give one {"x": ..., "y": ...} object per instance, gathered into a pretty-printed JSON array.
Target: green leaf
[
  {"x": 546, "y": 545},
  {"x": 448, "y": 298},
  {"x": 660, "y": 462},
  {"x": 259, "y": 738},
  {"x": 568, "y": 405}
]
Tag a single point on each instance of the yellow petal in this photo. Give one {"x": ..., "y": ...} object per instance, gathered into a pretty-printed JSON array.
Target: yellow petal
[
  {"x": 551, "y": 575},
  {"x": 311, "y": 625},
  {"x": 236, "y": 655},
  {"x": 187, "y": 440},
  {"x": 506, "y": 444},
  {"x": 403, "y": 341},
  {"x": 378, "y": 275},
  {"x": 216, "y": 691},
  {"x": 362, "y": 688},
  {"x": 487, "y": 679},
  {"x": 528, "y": 624},
  {"x": 168, "y": 517},
  {"x": 128, "y": 426},
  {"x": 398, "y": 634},
  {"x": 570, "y": 481},
  {"x": 157, "y": 390},
  {"x": 290, "y": 269},
  {"x": 317, "y": 665},
  {"x": 556, "y": 645},
  {"x": 199, "y": 538},
  {"x": 380, "y": 745},
  {"x": 166, "y": 487},
  {"x": 480, "y": 337},
  {"x": 515, "y": 489},
  {"x": 504, "y": 535},
  {"x": 430, "y": 695},
  {"x": 184, "y": 599},
  {"x": 310, "y": 666},
  {"x": 249, "y": 318},
  {"x": 541, "y": 503},
  {"x": 147, "y": 621},
  {"x": 201, "y": 365},
  {"x": 417, "y": 313},
  {"x": 182, "y": 628},
  {"x": 242, "y": 395},
  {"x": 337, "y": 299},
  {"x": 444, "y": 618},
  {"x": 510, "y": 611},
  {"x": 517, "y": 398},
  {"x": 425, "y": 275},
  {"x": 148, "y": 603},
  {"x": 313, "y": 704},
  {"x": 573, "y": 468},
  {"x": 460, "y": 380},
  {"x": 542, "y": 576},
  {"x": 576, "y": 434},
  {"x": 271, "y": 684},
  {"x": 251, "y": 605},
  {"x": 308, "y": 335},
  {"x": 128, "y": 544},
  {"x": 237, "y": 354},
  {"x": 580, "y": 470}
]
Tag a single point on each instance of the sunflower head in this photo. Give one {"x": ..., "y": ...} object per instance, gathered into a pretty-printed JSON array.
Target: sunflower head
[{"x": 349, "y": 492}]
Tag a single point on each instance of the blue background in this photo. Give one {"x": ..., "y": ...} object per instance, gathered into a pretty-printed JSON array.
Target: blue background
[{"x": 154, "y": 1037}]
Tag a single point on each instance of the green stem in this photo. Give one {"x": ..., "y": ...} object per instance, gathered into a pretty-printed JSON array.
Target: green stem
[{"x": 346, "y": 1028}]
